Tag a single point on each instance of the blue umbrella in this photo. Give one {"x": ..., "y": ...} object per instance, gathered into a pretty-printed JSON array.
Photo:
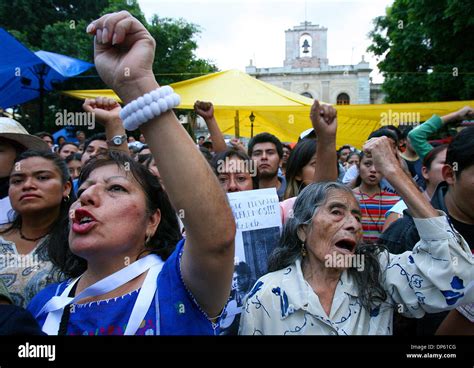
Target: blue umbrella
[{"x": 27, "y": 75}]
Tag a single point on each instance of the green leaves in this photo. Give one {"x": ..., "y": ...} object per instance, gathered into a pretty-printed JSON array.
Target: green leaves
[{"x": 424, "y": 52}]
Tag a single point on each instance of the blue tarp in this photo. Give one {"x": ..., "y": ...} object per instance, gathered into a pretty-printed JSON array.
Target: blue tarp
[{"x": 22, "y": 70}]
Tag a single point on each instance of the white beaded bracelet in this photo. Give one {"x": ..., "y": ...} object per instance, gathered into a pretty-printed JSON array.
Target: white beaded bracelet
[{"x": 148, "y": 106}]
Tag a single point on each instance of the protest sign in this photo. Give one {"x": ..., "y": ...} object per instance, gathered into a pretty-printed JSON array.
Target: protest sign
[{"x": 258, "y": 218}]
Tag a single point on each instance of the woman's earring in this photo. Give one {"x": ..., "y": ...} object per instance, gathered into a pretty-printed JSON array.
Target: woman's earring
[
  {"x": 147, "y": 239},
  {"x": 303, "y": 250}
]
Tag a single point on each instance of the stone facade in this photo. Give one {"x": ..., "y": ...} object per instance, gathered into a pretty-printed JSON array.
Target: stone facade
[{"x": 306, "y": 70}]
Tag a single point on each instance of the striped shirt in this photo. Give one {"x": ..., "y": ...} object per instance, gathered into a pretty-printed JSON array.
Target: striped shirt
[{"x": 373, "y": 209}]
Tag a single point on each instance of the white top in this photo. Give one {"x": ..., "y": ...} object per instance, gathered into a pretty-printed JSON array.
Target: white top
[
  {"x": 424, "y": 280},
  {"x": 5, "y": 206},
  {"x": 398, "y": 207}
]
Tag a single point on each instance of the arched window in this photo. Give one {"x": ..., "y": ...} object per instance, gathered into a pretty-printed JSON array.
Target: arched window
[
  {"x": 343, "y": 99},
  {"x": 307, "y": 94}
]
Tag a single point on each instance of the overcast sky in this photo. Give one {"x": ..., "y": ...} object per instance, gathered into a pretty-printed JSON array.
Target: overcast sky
[{"x": 233, "y": 32}]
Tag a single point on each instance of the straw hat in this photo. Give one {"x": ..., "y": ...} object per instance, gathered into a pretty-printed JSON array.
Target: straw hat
[{"x": 13, "y": 130}]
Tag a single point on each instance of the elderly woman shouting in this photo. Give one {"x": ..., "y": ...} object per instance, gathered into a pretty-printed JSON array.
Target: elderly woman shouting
[
  {"x": 323, "y": 280},
  {"x": 131, "y": 273}
]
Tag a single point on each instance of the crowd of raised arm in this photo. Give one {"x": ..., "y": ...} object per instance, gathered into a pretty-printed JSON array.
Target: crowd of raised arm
[{"x": 133, "y": 234}]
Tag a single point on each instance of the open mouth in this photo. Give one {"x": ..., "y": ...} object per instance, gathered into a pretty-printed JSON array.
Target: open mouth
[
  {"x": 346, "y": 244},
  {"x": 83, "y": 221}
]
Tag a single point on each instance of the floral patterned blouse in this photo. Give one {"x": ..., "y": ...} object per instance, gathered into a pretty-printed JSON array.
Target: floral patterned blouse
[
  {"x": 24, "y": 275},
  {"x": 431, "y": 278}
]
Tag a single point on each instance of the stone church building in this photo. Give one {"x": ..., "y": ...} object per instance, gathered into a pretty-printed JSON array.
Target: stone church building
[{"x": 306, "y": 70}]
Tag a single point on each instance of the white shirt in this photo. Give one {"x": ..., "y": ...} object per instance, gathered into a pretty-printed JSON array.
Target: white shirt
[
  {"x": 5, "y": 207},
  {"x": 431, "y": 278}
]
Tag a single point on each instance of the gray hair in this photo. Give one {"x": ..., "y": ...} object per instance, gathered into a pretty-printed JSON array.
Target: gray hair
[{"x": 306, "y": 206}]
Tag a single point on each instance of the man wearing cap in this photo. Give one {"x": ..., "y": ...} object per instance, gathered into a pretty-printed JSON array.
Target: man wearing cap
[{"x": 14, "y": 139}]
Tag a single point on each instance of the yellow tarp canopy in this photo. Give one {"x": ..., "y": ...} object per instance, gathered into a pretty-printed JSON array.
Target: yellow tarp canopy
[{"x": 236, "y": 95}]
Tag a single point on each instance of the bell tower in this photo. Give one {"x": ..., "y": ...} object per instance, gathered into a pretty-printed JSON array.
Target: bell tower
[{"x": 306, "y": 46}]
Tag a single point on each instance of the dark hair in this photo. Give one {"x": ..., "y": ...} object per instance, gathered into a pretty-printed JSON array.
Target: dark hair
[
  {"x": 201, "y": 136},
  {"x": 228, "y": 154},
  {"x": 431, "y": 156},
  {"x": 339, "y": 151},
  {"x": 384, "y": 132},
  {"x": 353, "y": 153},
  {"x": 44, "y": 134},
  {"x": 299, "y": 158},
  {"x": 67, "y": 144},
  {"x": 73, "y": 156},
  {"x": 95, "y": 137},
  {"x": 242, "y": 268},
  {"x": 145, "y": 146},
  {"x": 461, "y": 150},
  {"x": 264, "y": 138},
  {"x": 404, "y": 133},
  {"x": 167, "y": 235},
  {"x": 287, "y": 145},
  {"x": 206, "y": 153},
  {"x": 311, "y": 198},
  {"x": 394, "y": 129},
  {"x": 57, "y": 243}
]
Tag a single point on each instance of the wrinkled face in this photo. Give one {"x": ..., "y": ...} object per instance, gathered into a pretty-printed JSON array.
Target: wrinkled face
[
  {"x": 335, "y": 229},
  {"x": 93, "y": 149},
  {"x": 233, "y": 175},
  {"x": 367, "y": 172},
  {"x": 307, "y": 172},
  {"x": 267, "y": 159},
  {"x": 7, "y": 157},
  {"x": 434, "y": 175},
  {"x": 109, "y": 218},
  {"x": 344, "y": 153},
  {"x": 67, "y": 150},
  {"x": 75, "y": 167},
  {"x": 36, "y": 185}
]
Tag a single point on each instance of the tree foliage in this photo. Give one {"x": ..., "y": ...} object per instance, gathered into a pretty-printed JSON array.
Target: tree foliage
[
  {"x": 426, "y": 50},
  {"x": 59, "y": 26}
]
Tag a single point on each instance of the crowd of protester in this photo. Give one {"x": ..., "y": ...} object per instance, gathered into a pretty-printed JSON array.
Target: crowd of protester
[{"x": 119, "y": 233}]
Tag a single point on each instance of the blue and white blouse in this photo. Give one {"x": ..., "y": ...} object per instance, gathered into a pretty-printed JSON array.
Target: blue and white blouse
[{"x": 431, "y": 278}]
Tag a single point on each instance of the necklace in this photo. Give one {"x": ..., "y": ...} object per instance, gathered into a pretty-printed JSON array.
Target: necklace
[
  {"x": 32, "y": 239},
  {"x": 367, "y": 210}
]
